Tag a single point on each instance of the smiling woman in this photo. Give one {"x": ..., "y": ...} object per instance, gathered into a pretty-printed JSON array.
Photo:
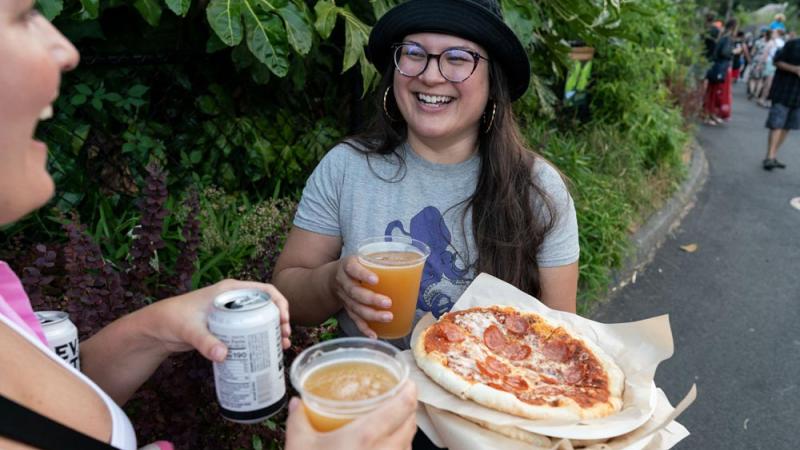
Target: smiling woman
[
  {"x": 46, "y": 403},
  {"x": 444, "y": 163},
  {"x": 34, "y": 55}
]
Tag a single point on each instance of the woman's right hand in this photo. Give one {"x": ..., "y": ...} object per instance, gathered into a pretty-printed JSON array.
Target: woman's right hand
[
  {"x": 389, "y": 427},
  {"x": 360, "y": 302}
]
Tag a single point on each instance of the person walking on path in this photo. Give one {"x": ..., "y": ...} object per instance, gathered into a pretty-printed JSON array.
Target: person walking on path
[
  {"x": 718, "y": 99},
  {"x": 784, "y": 115},
  {"x": 755, "y": 75},
  {"x": 741, "y": 57},
  {"x": 778, "y": 23},
  {"x": 774, "y": 45},
  {"x": 710, "y": 36}
]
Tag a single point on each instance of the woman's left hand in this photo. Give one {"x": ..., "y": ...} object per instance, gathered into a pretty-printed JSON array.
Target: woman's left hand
[
  {"x": 124, "y": 354},
  {"x": 181, "y": 323}
]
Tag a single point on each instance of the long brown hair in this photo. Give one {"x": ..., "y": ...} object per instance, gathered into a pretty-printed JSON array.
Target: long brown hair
[{"x": 511, "y": 214}]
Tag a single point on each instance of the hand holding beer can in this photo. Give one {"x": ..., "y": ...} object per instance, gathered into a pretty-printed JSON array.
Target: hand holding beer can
[{"x": 250, "y": 383}]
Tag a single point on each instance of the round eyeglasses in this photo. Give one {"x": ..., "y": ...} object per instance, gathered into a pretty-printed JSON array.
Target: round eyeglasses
[{"x": 455, "y": 64}]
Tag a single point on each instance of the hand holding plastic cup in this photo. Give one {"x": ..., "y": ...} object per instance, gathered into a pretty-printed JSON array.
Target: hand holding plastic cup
[
  {"x": 398, "y": 262},
  {"x": 342, "y": 379}
]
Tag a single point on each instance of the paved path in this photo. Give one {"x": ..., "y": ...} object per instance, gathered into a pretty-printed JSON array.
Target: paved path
[{"x": 734, "y": 304}]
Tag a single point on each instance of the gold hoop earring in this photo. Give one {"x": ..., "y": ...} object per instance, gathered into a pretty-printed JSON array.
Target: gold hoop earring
[
  {"x": 491, "y": 120},
  {"x": 385, "y": 106}
]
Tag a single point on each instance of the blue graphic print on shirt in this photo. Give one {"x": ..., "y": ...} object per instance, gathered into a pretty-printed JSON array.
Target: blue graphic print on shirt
[{"x": 441, "y": 268}]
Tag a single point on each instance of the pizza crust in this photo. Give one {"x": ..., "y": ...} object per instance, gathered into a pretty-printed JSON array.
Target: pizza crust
[{"x": 435, "y": 367}]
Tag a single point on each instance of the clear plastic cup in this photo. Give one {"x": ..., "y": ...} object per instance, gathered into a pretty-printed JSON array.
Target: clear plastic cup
[
  {"x": 328, "y": 413},
  {"x": 398, "y": 262}
]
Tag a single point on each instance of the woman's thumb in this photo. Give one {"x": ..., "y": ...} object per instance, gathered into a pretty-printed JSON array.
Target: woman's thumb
[{"x": 207, "y": 344}]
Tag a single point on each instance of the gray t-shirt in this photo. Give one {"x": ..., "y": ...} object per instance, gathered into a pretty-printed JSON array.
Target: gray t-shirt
[{"x": 355, "y": 197}]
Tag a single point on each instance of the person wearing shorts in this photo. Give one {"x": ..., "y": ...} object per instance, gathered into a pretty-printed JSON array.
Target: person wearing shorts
[{"x": 784, "y": 115}]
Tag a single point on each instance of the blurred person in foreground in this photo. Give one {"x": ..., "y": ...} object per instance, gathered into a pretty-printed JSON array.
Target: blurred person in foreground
[
  {"x": 784, "y": 114},
  {"x": 46, "y": 403}
]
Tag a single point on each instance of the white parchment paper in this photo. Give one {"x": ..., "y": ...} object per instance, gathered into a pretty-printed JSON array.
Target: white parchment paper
[{"x": 637, "y": 347}]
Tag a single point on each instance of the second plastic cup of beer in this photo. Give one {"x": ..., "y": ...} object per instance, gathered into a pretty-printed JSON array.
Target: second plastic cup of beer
[
  {"x": 342, "y": 379},
  {"x": 398, "y": 262}
]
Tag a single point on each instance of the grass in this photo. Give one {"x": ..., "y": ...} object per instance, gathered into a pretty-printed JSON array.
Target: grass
[{"x": 615, "y": 188}]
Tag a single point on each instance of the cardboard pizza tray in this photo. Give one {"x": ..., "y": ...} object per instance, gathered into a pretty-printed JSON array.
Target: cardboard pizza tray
[{"x": 637, "y": 347}]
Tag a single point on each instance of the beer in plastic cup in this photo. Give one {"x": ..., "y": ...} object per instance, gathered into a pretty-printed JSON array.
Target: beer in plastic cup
[
  {"x": 398, "y": 262},
  {"x": 342, "y": 379}
]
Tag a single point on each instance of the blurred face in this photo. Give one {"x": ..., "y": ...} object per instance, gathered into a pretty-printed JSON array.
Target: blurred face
[
  {"x": 32, "y": 56},
  {"x": 434, "y": 107}
]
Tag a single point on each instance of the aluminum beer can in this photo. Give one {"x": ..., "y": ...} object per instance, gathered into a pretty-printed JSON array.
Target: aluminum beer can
[
  {"x": 62, "y": 336},
  {"x": 250, "y": 382}
]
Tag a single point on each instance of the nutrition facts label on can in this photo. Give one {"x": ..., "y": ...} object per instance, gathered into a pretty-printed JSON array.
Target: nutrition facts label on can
[
  {"x": 248, "y": 377},
  {"x": 258, "y": 346}
]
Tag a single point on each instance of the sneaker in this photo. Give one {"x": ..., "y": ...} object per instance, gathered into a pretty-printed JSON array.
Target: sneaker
[
  {"x": 768, "y": 164},
  {"x": 778, "y": 164}
]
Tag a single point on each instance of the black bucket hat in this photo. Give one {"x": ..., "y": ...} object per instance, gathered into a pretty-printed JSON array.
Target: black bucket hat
[{"x": 480, "y": 21}]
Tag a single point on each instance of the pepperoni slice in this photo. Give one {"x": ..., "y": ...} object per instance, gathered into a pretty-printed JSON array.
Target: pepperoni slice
[
  {"x": 435, "y": 342},
  {"x": 517, "y": 325},
  {"x": 516, "y": 383},
  {"x": 556, "y": 350},
  {"x": 492, "y": 368},
  {"x": 451, "y": 332},
  {"x": 516, "y": 351},
  {"x": 494, "y": 339},
  {"x": 496, "y": 365},
  {"x": 573, "y": 375}
]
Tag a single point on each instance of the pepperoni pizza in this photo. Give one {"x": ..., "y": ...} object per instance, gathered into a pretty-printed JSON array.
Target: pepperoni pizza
[{"x": 519, "y": 363}]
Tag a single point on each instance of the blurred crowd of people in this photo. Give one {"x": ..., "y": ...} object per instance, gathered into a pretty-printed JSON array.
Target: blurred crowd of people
[{"x": 768, "y": 63}]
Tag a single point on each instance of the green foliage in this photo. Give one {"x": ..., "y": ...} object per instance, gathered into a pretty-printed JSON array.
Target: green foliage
[
  {"x": 273, "y": 31},
  {"x": 235, "y": 230},
  {"x": 239, "y": 99},
  {"x": 627, "y": 157}
]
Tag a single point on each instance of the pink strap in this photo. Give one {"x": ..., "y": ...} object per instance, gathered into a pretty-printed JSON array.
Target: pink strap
[{"x": 14, "y": 302}]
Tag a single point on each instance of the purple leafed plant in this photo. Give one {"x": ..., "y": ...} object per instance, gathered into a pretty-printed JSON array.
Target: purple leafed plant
[
  {"x": 178, "y": 403},
  {"x": 143, "y": 271}
]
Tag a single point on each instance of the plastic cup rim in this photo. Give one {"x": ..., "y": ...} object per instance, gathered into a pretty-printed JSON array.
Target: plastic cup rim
[
  {"x": 420, "y": 247},
  {"x": 346, "y": 408}
]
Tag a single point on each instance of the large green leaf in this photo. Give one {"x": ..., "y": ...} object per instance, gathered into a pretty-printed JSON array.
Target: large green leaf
[
  {"x": 381, "y": 6},
  {"x": 522, "y": 17},
  {"x": 150, "y": 11},
  {"x": 225, "y": 18},
  {"x": 356, "y": 37},
  {"x": 326, "y": 17},
  {"x": 50, "y": 8},
  {"x": 91, "y": 8},
  {"x": 369, "y": 76},
  {"x": 179, "y": 7},
  {"x": 266, "y": 39},
  {"x": 298, "y": 28}
]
